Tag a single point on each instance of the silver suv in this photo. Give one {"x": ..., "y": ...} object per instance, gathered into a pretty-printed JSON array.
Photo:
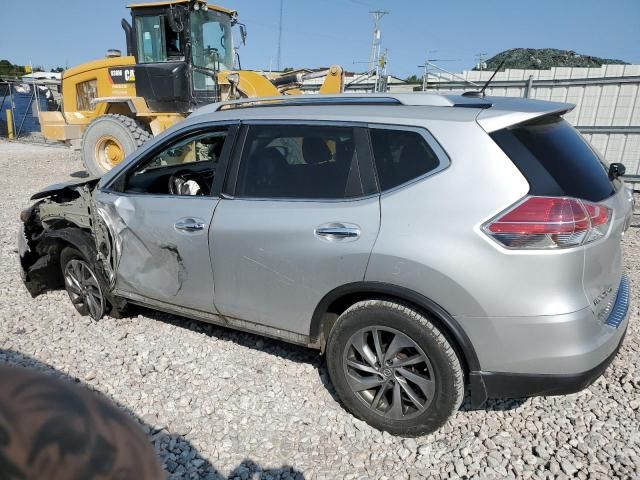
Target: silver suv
[{"x": 426, "y": 244}]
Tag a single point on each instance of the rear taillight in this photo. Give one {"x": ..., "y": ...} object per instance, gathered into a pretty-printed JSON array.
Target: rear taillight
[{"x": 549, "y": 222}]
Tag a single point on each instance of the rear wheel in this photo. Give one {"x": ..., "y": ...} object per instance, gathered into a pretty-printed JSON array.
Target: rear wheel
[
  {"x": 82, "y": 285},
  {"x": 393, "y": 368},
  {"x": 108, "y": 140}
]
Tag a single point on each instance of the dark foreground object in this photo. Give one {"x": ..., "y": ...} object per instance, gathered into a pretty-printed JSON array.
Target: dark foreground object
[{"x": 53, "y": 430}]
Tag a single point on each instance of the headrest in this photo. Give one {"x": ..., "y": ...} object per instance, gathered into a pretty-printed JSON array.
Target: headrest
[{"x": 315, "y": 150}]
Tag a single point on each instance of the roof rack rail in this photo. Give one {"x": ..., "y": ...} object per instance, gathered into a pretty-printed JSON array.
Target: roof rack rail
[{"x": 409, "y": 99}]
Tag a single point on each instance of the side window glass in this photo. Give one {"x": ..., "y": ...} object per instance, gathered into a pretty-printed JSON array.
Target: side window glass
[
  {"x": 296, "y": 161},
  {"x": 151, "y": 41},
  {"x": 186, "y": 167},
  {"x": 401, "y": 156}
]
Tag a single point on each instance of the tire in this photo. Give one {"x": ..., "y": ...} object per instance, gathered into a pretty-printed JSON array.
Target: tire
[
  {"x": 115, "y": 307},
  {"x": 434, "y": 380},
  {"x": 82, "y": 283},
  {"x": 109, "y": 139}
]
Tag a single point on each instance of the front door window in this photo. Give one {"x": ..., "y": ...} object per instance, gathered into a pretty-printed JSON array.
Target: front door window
[{"x": 186, "y": 167}]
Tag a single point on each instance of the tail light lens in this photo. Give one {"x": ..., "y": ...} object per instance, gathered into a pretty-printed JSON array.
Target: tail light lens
[{"x": 549, "y": 222}]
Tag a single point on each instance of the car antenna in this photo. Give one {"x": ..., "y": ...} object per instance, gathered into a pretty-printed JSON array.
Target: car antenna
[{"x": 476, "y": 93}]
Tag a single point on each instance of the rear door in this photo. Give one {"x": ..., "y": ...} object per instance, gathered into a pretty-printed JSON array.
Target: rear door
[
  {"x": 302, "y": 221},
  {"x": 603, "y": 259},
  {"x": 557, "y": 161}
]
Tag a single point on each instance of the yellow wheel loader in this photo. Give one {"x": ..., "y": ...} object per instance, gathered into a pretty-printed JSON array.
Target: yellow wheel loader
[{"x": 180, "y": 56}]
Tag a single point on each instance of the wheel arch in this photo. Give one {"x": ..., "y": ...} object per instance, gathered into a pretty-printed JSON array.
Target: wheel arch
[
  {"x": 73, "y": 236},
  {"x": 120, "y": 108},
  {"x": 41, "y": 268},
  {"x": 82, "y": 240},
  {"x": 341, "y": 298}
]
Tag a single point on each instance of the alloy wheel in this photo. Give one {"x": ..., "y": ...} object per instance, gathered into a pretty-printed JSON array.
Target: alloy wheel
[
  {"x": 389, "y": 372},
  {"x": 84, "y": 289}
]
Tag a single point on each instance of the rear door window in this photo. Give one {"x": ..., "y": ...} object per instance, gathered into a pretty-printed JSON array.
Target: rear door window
[
  {"x": 555, "y": 160},
  {"x": 402, "y": 156}
]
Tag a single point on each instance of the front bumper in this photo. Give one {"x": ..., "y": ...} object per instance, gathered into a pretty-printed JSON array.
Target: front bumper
[
  {"x": 547, "y": 355},
  {"x": 23, "y": 250}
]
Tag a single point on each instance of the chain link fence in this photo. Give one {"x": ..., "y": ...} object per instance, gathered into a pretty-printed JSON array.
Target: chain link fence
[{"x": 21, "y": 101}]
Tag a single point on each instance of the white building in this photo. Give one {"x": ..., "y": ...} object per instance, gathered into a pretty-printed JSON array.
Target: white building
[{"x": 42, "y": 76}]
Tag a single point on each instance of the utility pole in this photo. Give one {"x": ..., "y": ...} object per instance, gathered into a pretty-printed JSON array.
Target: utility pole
[
  {"x": 279, "y": 58},
  {"x": 375, "y": 43},
  {"x": 377, "y": 62},
  {"x": 425, "y": 75},
  {"x": 481, "y": 65},
  {"x": 381, "y": 72}
]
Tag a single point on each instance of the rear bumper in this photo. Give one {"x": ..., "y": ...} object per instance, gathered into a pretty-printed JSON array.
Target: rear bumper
[
  {"x": 486, "y": 385},
  {"x": 546, "y": 355}
]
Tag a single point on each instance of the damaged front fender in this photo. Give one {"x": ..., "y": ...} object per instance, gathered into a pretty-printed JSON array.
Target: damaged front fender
[
  {"x": 41, "y": 265},
  {"x": 62, "y": 216},
  {"x": 131, "y": 240},
  {"x": 65, "y": 188}
]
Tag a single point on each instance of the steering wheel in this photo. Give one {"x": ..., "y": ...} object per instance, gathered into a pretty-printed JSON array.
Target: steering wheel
[{"x": 185, "y": 182}]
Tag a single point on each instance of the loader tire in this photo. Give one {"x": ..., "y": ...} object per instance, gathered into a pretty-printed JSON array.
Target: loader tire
[{"x": 108, "y": 140}]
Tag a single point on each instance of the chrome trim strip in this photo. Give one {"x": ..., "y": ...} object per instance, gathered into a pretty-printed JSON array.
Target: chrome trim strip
[{"x": 621, "y": 307}]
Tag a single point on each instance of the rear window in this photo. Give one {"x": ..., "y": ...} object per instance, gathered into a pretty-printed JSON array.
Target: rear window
[
  {"x": 556, "y": 160},
  {"x": 401, "y": 156}
]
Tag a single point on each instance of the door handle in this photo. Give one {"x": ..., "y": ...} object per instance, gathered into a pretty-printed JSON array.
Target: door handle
[
  {"x": 189, "y": 225},
  {"x": 338, "y": 231}
]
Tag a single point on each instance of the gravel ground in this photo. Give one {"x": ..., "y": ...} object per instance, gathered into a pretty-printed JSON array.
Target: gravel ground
[{"x": 222, "y": 404}]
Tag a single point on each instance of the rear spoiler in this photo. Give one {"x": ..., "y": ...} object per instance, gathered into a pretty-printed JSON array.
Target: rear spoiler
[{"x": 506, "y": 112}]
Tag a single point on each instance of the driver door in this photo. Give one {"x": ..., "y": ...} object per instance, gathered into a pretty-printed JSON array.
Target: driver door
[{"x": 158, "y": 223}]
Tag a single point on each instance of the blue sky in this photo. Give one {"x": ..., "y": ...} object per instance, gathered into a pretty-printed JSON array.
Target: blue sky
[{"x": 322, "y": 32}]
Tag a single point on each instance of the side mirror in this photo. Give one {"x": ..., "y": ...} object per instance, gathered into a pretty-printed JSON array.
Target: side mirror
[
  {"x": 243, "y": 33},
  {"x": 616, "y": 170}
]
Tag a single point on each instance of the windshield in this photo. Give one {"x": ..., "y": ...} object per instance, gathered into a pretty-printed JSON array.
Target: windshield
[{"x": 211, "y": 44}]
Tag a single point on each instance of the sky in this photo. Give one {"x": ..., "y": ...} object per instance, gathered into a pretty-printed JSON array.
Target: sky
[{"x": 319, "y": 33}]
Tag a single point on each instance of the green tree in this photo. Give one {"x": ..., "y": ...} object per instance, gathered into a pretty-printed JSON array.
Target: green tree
[
  {"x": 10, "y": 70},
  {"x": 413, "y": 79}
]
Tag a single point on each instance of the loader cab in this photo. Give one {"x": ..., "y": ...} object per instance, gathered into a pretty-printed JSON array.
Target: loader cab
[{"x": 179, "y": 48}]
